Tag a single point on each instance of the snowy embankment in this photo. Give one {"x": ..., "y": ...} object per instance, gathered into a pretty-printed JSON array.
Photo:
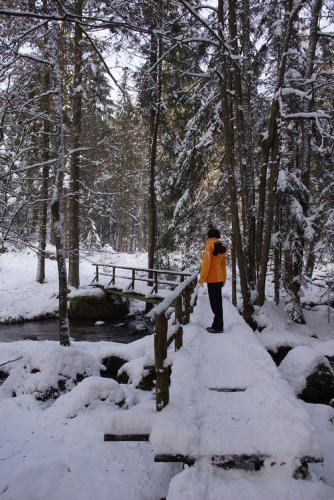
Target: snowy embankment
[{"x": 22, "y": 298}]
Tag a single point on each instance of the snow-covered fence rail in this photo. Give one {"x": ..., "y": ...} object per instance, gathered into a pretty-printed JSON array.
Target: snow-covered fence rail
[
  {"x": 154, "y": 278},
  {"x": 183, "y": 299}
]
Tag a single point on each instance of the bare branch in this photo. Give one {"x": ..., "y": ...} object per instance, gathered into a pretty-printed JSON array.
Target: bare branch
[{"x": 102, "y": 59}]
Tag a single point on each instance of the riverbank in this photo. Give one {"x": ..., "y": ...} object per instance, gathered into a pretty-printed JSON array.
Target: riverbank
[{"x": 65, "y": 405}]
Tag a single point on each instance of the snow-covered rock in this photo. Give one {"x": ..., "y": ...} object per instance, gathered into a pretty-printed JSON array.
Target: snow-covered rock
[
  {"x": 134, "y": 372},
  {"x": 89, "y": 393},
  {"x": 49, "y": 369},
  {"x": 309, "y": 374}
]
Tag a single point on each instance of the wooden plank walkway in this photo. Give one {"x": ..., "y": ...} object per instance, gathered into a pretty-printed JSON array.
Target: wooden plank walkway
[
  {"x": 227, "y": 407},
  {"x": 229, "y": 403}
]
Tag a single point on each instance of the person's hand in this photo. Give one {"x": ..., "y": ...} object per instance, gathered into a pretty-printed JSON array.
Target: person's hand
[{"x": 200, "y": 284}]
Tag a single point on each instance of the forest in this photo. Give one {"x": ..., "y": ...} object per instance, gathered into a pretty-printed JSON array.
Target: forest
[
  {"x": 166, "y": 249},
  {"x": 138, "y": 125}
]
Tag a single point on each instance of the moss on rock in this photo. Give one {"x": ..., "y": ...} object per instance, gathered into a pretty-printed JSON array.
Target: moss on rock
[
  {"x": 112, "y": 365},
  {"x": 319, "y": 386},
  {"x": 279, "y": 354}
]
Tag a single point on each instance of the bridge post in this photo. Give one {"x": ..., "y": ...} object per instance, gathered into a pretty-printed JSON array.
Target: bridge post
[
  {"x": 160, "y": 351},
  {"x": 187, "y": 307},
  {"x": 97, "y": 273},
  {"x": 179, "y": 321}
]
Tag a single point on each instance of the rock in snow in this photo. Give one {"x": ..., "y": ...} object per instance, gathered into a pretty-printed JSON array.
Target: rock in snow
[
  {"x": 48, "y": 370},
  {"x": 310, "y": 375}
]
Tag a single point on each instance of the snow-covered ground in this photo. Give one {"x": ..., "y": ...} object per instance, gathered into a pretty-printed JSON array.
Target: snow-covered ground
[
  {"x": 21, "y": 297},
  {"x": 54, "y": 449}
]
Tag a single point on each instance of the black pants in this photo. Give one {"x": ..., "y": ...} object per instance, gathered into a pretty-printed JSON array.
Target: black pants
[{"x": 216, "y": 303}]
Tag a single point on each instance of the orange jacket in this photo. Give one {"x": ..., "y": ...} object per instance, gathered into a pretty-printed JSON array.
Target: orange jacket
[{"x": 213, "y": 267}]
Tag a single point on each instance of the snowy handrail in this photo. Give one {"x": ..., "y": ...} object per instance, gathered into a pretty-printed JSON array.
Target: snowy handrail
[
  {"x": 151, "y": 279},
  {"x": 160, "y": 271},
  {"x": 168, "y": 301},
  {"x": 183, "y": 298}
]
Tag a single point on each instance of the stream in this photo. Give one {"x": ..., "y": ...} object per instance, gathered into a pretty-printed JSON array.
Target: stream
[{"x": 124, "y": 331}]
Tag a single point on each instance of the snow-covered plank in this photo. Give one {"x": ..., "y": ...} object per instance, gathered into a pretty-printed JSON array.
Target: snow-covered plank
[
  {"x": 126, "y": 437},
  {"x": 203, "y": 481}
]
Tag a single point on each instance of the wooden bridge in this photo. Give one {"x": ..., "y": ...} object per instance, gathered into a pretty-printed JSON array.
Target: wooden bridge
[
  {"x": 137, "y": 283},
  {"x": 225, "y": 400},
  {"x": 178, "y": 295}
]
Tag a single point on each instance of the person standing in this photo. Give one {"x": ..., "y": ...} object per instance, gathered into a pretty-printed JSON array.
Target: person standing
[{"x": 213, "y": 272}]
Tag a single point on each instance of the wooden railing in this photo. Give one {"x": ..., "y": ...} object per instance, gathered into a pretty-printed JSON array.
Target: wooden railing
[
  {"x": 153, "y": 276},
  {"x": 182, "y": 299}
]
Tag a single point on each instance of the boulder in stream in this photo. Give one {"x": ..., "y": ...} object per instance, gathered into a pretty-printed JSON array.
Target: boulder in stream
[{"x": 97, "y": 305}]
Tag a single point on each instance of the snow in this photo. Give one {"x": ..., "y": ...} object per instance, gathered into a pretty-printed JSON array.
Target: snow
[
  {"x": 51, "y": 456},
  {"x": 277, "y": 332},
  {"x": 204, "y": 482},
  {"x": 134, "y": 369},
  {"x": 136, "y": 420},
  {"x": 322, "y": 418},
  {"x": 181, "y": 203}
]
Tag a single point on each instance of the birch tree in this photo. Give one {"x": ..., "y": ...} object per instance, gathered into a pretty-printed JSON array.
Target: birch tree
[{"x": 57, "y": 196}]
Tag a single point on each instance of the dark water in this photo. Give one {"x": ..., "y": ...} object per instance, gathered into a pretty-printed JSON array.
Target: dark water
[{"x": 123, "y": 331}]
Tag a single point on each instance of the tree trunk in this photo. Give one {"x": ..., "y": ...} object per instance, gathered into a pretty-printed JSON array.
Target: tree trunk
[
  {"x": 74, "y": 200},
  {"x": 306, "y": 156},
  {"x": 247, "y": 92},
  {"x": 269, "y": 223},
  {"x": 270, "y": 150},
  {"x": 302, "y": 195},
  {"x": 310, "y": 262},
  {"x": 277, "y": 251},
  {"x": 40, "y": 278},
  {"x": 234, "y": 275},
  {"x": 56, "y": 204},
  {"x": 248, "y": 309},
  {"x": 155, "y": 56}
]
